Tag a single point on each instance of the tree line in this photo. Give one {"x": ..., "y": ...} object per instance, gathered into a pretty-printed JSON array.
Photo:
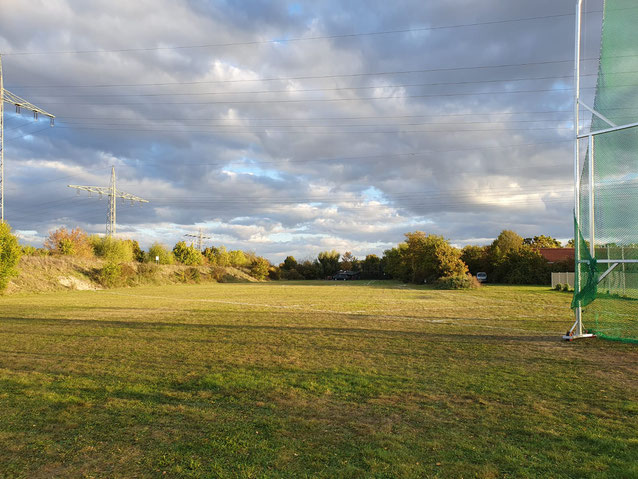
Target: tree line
[
  {"x": 420, "y": 258},
  {"x": 424, "y": 258}
]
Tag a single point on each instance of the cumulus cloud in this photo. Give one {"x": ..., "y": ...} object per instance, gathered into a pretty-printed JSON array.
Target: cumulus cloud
[{"x": 274, "y": 143}]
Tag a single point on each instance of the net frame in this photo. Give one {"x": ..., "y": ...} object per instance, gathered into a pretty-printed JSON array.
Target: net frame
[{"x": 586, "y": 262}]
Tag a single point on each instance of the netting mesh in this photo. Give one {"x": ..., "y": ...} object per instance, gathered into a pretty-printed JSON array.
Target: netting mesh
[{"x": 607, "y": 287}]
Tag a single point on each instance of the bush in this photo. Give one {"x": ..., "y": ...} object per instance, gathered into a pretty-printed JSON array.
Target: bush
[
  {"x": 10, "y": 253},
  {"x": 457, "y": 281},
  {"x": 158, "y": 250},
  {"x": 147, "y": 273},
  {"x": 237, "y": 258},
  {"x": 28, "y": 250},
  {"x": 71, "y": 243},
  {"x": 188, "y": 255},
  {"x": 558, "y": 287},
  {"x": 566, "y": 287},
  {"x": 110, "y": 275},
  {"x": 189, "y": 275},
  {"x": 111, "y": 249}
]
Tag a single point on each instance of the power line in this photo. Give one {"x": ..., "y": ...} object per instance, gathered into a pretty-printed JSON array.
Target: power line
[
  {"x": 319, "y": 100},
  {"x": 315, "y": 77},
  {"x": 349, "y": 132},
  {"x": 290, "y": 40},
  {"x": 307, "y": 90},
  {"x": 336, "y": 118}
]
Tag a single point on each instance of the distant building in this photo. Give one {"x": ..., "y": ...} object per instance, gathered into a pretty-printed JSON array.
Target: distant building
[
  {"x": 346, "y": 275},
  {"x": 555, "y": 255}
]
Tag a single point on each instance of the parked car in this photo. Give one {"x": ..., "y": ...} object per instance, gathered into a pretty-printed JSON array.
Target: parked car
[{"x": 481, "y": 277}]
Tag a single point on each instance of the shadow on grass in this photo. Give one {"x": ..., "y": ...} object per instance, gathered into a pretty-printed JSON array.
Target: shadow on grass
[{"x": 305, "y": 330}]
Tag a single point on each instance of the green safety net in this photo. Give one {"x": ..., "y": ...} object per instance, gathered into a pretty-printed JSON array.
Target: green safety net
[{"x": 606, "y": 291}]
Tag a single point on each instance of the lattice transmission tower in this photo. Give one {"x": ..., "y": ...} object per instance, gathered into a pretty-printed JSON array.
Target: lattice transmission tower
[
  {"x": 113, "y": 193},
  {"x": 19, "y": 103},
  {"x": 200, "y": 238}
]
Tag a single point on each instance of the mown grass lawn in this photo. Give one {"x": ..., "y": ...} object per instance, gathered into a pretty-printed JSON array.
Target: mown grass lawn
[{"x": 310, "y": 379}]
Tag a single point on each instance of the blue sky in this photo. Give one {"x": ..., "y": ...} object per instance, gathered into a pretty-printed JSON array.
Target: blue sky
[{"x": 459, "y": 126}]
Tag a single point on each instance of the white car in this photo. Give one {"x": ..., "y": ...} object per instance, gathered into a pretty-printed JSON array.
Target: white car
[{"x": 482, "y": 277}]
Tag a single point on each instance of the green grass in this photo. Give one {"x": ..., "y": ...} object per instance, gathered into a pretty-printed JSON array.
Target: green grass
[{"x": 310, "y": 379}]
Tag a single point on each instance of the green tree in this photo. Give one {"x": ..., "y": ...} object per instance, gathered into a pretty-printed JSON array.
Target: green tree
[
  {"x": 310, "y": 269},
  {"x": 158, "y": 250},
  {"x": 260, "y": 268},
  {"x": 217, "y": 256},
  {"x": 371, "y": 267},
  {"x": 542, "y": 241},
  {"x": 138, "y": 253},
  {"x": 10, "y": 253},
  {"x": 329, "y": 261},
  {"x": 237, "y": 258},
  {"x": 429, "y": 257},
  {"x": 394, "y": 265},
  {"x": 188, "y": 255},
  {"x": 289, "y": 263},
  {"x": 475, "y": 257},
  {"x": 524, "y": 265}
]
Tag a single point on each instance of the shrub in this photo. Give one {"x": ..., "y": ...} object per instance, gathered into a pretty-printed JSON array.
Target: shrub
[
  {"x": 274, "y": 273},
  {"x": 147, "y": 273},
  {"x": 111, "y": 249},
  {"x": 457, "y": 281},
  {"x": 158, "y": 250},
  {"x": 189, "y": 275},
  {"x": 566, "y": 287},
  {"x": 28, "y": 250},
  {"x": 9, "y": 255},
  {"x": 110, "y": 275},
  {"x": 558, "y": 287},
  {"x": 73, "y": 243},
  {"x": 188, "y": 255}
]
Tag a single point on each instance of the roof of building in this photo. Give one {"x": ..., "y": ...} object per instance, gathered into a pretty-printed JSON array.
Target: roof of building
[{"x": 553, "y": 255}]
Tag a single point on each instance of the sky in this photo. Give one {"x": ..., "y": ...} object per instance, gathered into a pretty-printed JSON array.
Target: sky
[{"x": 290, "y": 128}]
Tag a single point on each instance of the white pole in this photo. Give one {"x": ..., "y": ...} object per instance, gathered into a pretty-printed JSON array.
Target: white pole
[
  {"x": 592, "y": 219},
  {"x": 579, "y": 3}
]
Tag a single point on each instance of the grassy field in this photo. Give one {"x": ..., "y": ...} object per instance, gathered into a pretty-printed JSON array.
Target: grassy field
[{"x": 310, "y": 379}]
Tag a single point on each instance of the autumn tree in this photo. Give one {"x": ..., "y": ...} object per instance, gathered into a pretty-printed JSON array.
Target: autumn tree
[
  {"x": 347, "y": 261},
  {"x": 74, "y": 243}
]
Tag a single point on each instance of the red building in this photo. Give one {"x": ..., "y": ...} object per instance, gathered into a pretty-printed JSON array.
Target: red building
[{"x": 553, "y": 255}]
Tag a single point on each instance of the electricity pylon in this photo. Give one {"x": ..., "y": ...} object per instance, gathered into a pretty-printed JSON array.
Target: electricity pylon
[
  {"x": 113, "y": 193},
  {"x": 20, "y": 103},
  {"x": 200, "y": 238}
]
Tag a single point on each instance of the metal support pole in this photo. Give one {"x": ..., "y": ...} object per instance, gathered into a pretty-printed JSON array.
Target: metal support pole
[
  {"x": 577, "y": 329},
  {"x": 592, "y": 215},
  {"x": 579, "y": 3}
]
